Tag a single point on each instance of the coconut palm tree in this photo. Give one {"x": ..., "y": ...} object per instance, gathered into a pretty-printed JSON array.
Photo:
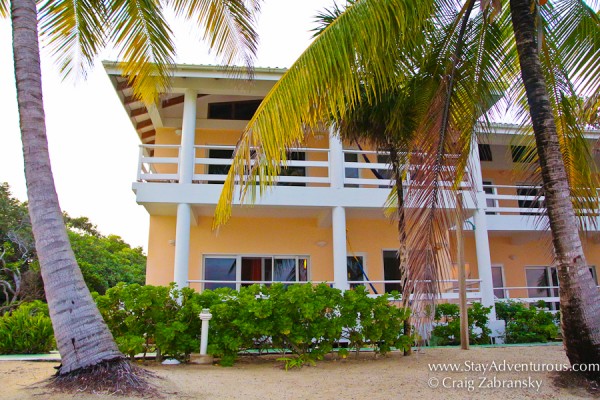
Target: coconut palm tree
[
  {"x": 550, "y": 47},
  {"x": 77, "y": 32}
]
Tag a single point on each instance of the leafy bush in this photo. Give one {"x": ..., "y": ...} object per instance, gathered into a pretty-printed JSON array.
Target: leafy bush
[
  {"x": 447, "y": 330},
  {"x": 305, "y": 320},
  {"x": 143, "y": 318},
  {"x": 371, "y": 321},
  {"x": 526, "y": 324},
  {"x": 27, "y": 330},
  {"x": 302, "y": 319}
]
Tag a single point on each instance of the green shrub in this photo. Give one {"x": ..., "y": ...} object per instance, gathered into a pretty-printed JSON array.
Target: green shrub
[
  {"x": 305, "y": 320},
  {"x": 241, "y": 321},
  {"x": 149, "y": 318},
  {"x": 373, "y": 322},
  {"x": 447, "y": 330},
  {"x": 526, "y": 324},
  {"x": 27, "y": 330}
]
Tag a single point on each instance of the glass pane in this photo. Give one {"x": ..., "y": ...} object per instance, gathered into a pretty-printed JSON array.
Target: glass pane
[
  {"x": 268, "y": 269},
  {"x": 355, "y": 269},
  {"x": 219, "y": 169},
  {"x": 293, "y": 171},
  {"x": 284, "y": 270},
  {"x": 244, "y": 110},
  {"x": 554, "y": 275},
  {"x": 385, "y": 173},
  {"x": 220, "y": 111},
  {"x": 485, "y": 152},
  {"x": 594, "y": 276},
  {"x": 391, "y": 270},
  {"x": 303, "y": 269},
  {"x": 487, "y": 189},
  {"x": 351, "y": 172},
  {"x": 537, "y": 277},
  {"x": 251, "y": 270},
  {"x": 498, "y": 282},
  {"x": 532, "y": 202},
  {"x": 219, "y": 269}
]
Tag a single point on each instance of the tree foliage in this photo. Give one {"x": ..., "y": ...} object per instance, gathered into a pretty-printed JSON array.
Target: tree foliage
[{"x": 104, "y": 260}]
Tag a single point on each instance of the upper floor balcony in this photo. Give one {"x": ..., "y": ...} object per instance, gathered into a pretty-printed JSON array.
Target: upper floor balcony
[
  {"x": 312, "y": 177},
  {"x": 311, "y": 180}
]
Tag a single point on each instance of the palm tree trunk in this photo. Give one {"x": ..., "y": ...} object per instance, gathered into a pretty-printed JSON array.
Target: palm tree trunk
[
  {"x": 579, "y": 297},
  {"x": 82, "y": 337},
  {"x": 402, "y": 251}
]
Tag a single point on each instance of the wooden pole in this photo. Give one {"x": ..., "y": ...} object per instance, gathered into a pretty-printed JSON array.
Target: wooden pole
[{"x": 462, "y": 283}]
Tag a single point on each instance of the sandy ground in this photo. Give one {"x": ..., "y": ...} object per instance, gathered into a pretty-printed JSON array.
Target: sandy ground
[{"x": 367, "y": 377}]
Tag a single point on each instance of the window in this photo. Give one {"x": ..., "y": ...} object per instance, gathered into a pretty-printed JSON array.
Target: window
[
  {"x": 294, "y": 171},
  {"x": 218, "y": 169},
  {"x": 485, "y": 152},
  {"x": 233, "y": 110},
  {"x": 356, "y": 270},
  {"x": 391, "y": 270},
  {"x": 385, "y": 173},
  {"x": 593, "y": 272},
  {"x": 542, "y": 281},
  {"x": 533, "y": 193},
  {"x": 519, "y": 154},
  {"x": 351, "y": 172},
  {"x": 222, "y": 270},
  {"x": 498, "y": 281},
  {"x": 488, "y": 188},
  {"x": 250, "y": 269}
]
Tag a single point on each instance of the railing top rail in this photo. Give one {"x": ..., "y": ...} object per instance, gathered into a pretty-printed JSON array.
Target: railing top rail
[
  {"x": 513, "y": 186},
  {"x": 257, "y": 282},
  {"x": 159, "y": 146},
  {"x": 232, "y": 147}
]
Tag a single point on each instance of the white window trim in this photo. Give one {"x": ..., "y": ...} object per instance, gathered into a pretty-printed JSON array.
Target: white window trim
[{"x": 502, "y": 272}]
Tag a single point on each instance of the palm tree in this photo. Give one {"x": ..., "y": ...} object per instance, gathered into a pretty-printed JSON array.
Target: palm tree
[
  {"x": 77, "y": 32},
  {"x": 481, "y": 55}
]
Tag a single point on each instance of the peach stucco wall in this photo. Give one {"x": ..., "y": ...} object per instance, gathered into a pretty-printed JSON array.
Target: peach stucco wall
[
  {"x": 299, "y": 236},
  {"x": 268, "y": 236}
]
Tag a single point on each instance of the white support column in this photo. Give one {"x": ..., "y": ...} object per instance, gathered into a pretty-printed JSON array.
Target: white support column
[
  {"x": 336, "y": 160},
  {"x": 188, "y": 135},
  {"x": 186, "y": 174},
  {"x": 340, "y": 271},
  {"x": 182, "y": 245},
  {"x": 482, "y": 243}
]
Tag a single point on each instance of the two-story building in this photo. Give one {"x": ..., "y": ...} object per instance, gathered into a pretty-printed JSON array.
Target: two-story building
[{"x": 324, "y": 221}]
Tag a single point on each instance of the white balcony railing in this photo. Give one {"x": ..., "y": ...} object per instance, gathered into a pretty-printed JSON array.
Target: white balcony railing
[
  {"x": 160, "y": 163},
  {"x": 305, "y": 166},
  {"x": 449, "y": 287},
  {"x": 518, "y": 200}
]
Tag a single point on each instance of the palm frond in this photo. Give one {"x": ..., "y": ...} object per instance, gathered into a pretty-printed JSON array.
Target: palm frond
[
  {"x": 4, "y": 8},
  {"x": 140, "y": 32},
  {"x": 360, "y": 49},
  {"x": 559, "y": 67},
  {"x": 228, "y": 26},
  {"x": 75, "y": 31},
  {"x": 575, "y": 25}
]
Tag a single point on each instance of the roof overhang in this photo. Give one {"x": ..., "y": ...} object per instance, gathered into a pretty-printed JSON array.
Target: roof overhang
[{"x": 209, "y": 81}]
